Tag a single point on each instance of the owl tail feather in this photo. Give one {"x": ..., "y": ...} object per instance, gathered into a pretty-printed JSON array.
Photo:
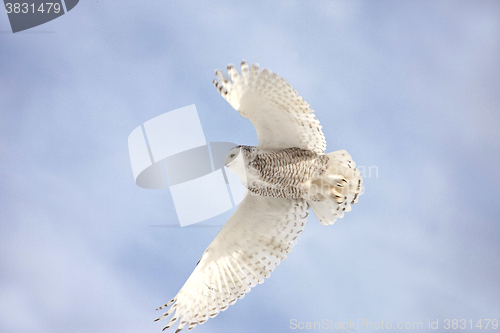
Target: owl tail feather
[{"x": 338, "y": 188}]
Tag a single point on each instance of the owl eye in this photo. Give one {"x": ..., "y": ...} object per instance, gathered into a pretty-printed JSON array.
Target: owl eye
[{"x": 232, "y": 155}]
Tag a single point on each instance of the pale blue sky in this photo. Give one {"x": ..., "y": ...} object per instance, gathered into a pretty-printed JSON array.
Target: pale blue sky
[{"x": 411, "y": 88}]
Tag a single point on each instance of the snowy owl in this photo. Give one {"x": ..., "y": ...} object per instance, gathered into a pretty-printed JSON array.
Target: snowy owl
[{"x": 286, "y": 174}]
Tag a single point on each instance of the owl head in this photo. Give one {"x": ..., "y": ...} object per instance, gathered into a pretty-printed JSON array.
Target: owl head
[
  {"x": 237, "y": 160},
  {"x": 232, "y": 155},
  {"x": 244, "y": 154}
]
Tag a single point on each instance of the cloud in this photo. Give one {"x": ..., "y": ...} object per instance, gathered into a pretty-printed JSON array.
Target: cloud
[{"x": 408, "y": 88}]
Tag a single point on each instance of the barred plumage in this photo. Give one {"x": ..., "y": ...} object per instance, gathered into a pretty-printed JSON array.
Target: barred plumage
[
  {"x": 289, "y": 192},
  {"x": 289, "y": 167},
  {"x": 282, "y": 174}
]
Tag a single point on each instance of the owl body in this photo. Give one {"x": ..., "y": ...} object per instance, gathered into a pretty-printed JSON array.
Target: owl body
[
  {"x": 282, "y": 174},
  {"x": 328, "y": 182}
]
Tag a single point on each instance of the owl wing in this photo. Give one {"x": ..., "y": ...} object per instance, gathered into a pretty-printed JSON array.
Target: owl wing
[
  {"x": 280, "y": 116},
  {"x": 260, "y": 233}
]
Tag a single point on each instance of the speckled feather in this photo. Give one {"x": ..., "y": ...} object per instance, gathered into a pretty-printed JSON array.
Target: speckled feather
[
  {"x": 280, "y": 116},
  {"x": 290, "y": 167},
  {"x": 282, "y": 174},
  {"x": 345, "y": 183},
  {"x": 255, "y": 239}
]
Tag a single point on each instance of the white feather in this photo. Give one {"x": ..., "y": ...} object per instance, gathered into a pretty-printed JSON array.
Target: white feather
[
  {"x": 280, "y": 116},
  {"x": 245, "y": 252}
]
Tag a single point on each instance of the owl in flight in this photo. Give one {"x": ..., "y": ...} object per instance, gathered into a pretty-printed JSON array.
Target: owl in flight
[{"x": 285, "y": 175}]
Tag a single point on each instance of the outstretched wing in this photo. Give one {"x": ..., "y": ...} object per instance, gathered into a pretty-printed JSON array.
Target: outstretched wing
[
  {"x": 280, "y": 116},
  {"x": 260, "y": 233}
]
